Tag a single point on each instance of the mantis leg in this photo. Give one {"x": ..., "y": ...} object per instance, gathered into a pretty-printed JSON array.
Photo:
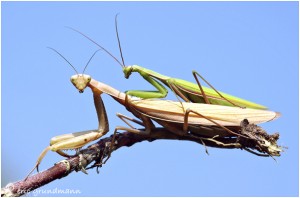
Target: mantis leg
[
  {"x": 177, "y": 92},
  {"x": 219, "y": 143},
  {"x": 147, "y": 123},
  {"x": 36, "y": 166},
  {"x": 238, "y": 145},
  {"x": 101, "y": 114},
  {"x": 160, "y": 93},
  {"x": 186, "y": 124},
  {"x": 195, "y": 74},
  {"x": 66, "y": 142},
  {"x": 145, "y": 120},
  {"x": 132, "y": 130},
  {"x": 79, "y": 139},
  {"x": 125, "y": 118}
]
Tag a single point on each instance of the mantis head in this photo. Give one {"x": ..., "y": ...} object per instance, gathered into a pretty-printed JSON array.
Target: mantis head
[
  {"x": 127, "y": 71},
  {"x": 80, "y": 81}
]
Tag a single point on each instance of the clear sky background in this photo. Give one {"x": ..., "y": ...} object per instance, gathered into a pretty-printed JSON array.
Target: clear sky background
[{"x": 247, "y": 49}]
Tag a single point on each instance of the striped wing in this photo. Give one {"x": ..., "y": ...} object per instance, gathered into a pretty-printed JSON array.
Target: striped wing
[{"x": 225, "y": 115}]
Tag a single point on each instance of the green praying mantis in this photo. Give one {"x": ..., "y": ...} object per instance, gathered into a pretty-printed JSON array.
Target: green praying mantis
[
  {"x": 188, "y": 91},
  {"x": 180, "y": 118}
]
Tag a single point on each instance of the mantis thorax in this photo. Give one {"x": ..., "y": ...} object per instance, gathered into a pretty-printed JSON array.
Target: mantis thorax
[{"x": 80, "y": 81}]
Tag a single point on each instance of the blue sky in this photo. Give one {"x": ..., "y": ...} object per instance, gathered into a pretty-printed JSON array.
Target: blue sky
[{"x": 247, "y": 49}]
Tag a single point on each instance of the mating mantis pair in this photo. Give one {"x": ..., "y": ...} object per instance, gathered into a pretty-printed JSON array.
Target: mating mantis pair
[{"x": 181, "y": 118}]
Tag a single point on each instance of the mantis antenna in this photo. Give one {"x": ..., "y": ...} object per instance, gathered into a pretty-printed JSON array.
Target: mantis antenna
[
  {"x": 90, "y": 60},
  {"x": 70, "y": 63},
  {"x": 97, "y": 45},
  {"x": 63, "y": 58},
  {"x": 119, "y": 43}
]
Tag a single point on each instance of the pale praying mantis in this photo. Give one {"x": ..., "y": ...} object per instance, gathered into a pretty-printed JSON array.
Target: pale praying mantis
[
  {"x": 189, "y": 92},
  {"x": 180, "y": 118},
  {"x": 78, "y": 139}
]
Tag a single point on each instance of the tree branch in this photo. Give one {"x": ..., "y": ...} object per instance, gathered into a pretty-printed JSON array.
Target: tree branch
[{"x": 100, "y": 151}]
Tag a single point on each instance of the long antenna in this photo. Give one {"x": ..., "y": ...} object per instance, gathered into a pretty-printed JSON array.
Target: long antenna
[
  {"x": 90, "y": 60},
  {"x": 97, "y": 45},
  {"x": 63, "y": 58},
  {"x": 119, "y": 43}
]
